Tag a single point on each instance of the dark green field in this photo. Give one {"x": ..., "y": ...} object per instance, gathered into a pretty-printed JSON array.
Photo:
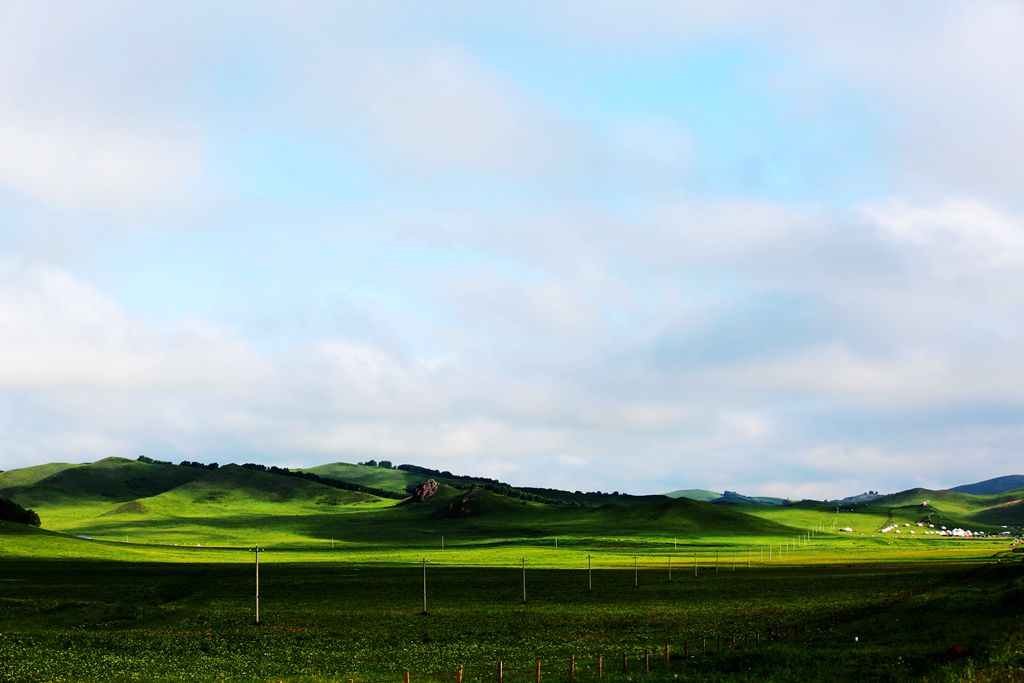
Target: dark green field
[{"x": 72, "y": 620}]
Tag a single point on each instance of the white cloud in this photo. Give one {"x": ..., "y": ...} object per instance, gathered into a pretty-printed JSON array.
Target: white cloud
[
  {"x": 77, "y": 131},
  {"x": 57, "y": 331}
]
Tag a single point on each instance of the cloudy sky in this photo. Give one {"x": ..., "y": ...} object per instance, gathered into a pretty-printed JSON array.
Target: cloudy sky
[{"x": 596, "y": 245}]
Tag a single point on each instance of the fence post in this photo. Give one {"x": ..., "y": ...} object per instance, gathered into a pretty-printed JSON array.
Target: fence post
[
  {"x": 572, "y": 667},
  {"x": 703, "y": 645},
  {"x": 686, "y": 649},
  {"x": 647, "y": 661},
  {"x": 458, "y": 674},
  {"x": 625, "y": 664},
  {"x": 600, "y": 666},
  {"x": 666, "y": 655},
  {"x": 406, "y": 678},
  {"x": 501, "y": 673},
  {"x": 590, "y": 577},
  {"x": 524, "y": 580},
  {"x": 536, "y": 671}
]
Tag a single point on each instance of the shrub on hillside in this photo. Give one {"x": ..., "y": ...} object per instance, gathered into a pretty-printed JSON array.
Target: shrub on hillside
[{"x": 12, "y": 512}]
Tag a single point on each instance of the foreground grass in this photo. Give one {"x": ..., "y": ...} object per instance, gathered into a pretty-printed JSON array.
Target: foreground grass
[{"x": 89, "y": 620}]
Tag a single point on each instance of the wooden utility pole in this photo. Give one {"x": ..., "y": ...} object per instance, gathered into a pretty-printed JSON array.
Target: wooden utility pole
[{"x": 256, "y": 550}]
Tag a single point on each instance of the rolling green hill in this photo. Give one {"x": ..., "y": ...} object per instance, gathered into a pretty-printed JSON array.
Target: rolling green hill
[
  {"x": 12, "y": 480},
  {"x": 105, "y": 481},
  {"x": 147, "y": 502},
  {"x": 1010, "y": 482},
  {"x": 694, "y": 494},
  {"x": 388, "y": 479}
]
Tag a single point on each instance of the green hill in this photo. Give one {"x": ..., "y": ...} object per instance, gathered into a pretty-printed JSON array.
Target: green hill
[
  {"x": 13, "y": 480},
  {"x": 951, "y": 508},
  {"x": 105, "y": 481},
  {"x": 695, "y": 494},
  {"x": 1010, "y": 482},
  {"x": 387, "y": 479}
]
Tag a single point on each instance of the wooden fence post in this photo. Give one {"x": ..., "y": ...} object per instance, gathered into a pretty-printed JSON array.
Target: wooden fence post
[
  {"x": 458, "y": 674},
  {"x": 406, "y": 678},
  {"x": 501, "y": 673},
  {"x": 625, "y": 664},
  {"x": 647, "y": 661},
  {"x": 536, "y": 671},
  {"x": 572, "y": 667},
  {"x": 600, "y": 666},
  {"x": 666, "y": 655},
  {"x": 686, "y": 649}
]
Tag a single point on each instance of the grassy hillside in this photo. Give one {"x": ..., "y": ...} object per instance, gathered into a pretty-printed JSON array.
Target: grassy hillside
[
  {"x": 104, "y": 481},
  {"x": 961, "y": 509},
  {"x": 1010, "y": 482},
  {"x": 396, "y": 481},
  {"x": 27, "y": 476},
  {"x": 694, "y": 494}
]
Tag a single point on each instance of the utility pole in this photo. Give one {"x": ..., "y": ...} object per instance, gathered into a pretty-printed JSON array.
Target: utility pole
[
  {"x": 424, "y": 585},
  {"x": 256, "y": 550}
]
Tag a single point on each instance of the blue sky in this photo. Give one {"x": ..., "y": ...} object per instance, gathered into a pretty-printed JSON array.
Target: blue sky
[{"x": 636, "y": 246}]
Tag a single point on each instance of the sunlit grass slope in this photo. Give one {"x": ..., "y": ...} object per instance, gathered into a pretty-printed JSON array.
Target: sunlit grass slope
[
  {"x": 12, "y": 481},
  {"x": 383, "y": 478}
]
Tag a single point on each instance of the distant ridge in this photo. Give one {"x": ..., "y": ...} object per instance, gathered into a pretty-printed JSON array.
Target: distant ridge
[
  {"x": 1010, "y": 482},
  {"x": 695, "y": 494}
]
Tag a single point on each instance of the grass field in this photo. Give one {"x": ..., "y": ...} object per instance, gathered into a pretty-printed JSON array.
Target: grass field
[
  {"x": 163, "y": 588},
  {"x": 103, "y": 620}
]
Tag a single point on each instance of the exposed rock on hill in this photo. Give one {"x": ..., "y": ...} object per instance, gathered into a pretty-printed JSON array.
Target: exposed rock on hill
[{"x": 425, "y": 490}]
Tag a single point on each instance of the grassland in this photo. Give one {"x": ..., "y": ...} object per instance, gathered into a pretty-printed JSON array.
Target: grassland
[
  {"x": 76, "y": 620},
  {"x": 163, "y": 587}
]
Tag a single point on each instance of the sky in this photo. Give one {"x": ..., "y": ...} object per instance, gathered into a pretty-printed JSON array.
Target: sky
[{"x": 635, "y": 246}]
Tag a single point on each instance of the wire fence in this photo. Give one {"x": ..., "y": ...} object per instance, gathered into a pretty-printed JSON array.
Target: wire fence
[{"x": 659, "y": 661}]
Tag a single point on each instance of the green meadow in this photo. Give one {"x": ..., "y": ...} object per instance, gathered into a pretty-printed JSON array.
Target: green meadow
[{"x": 145, "y": 571}]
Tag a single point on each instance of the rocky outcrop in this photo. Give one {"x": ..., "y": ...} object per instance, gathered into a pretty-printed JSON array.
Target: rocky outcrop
[{"x": 425, "y": 490}]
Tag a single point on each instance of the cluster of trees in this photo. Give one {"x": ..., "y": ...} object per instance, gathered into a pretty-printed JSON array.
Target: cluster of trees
[
  {"x": 12, "y": 512},
  {"x": 386, "y": 464},
  {"x": 445, "y": 474},
  {"x": 326, "y": 481},
  {"x": 199, "y": 465}
]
